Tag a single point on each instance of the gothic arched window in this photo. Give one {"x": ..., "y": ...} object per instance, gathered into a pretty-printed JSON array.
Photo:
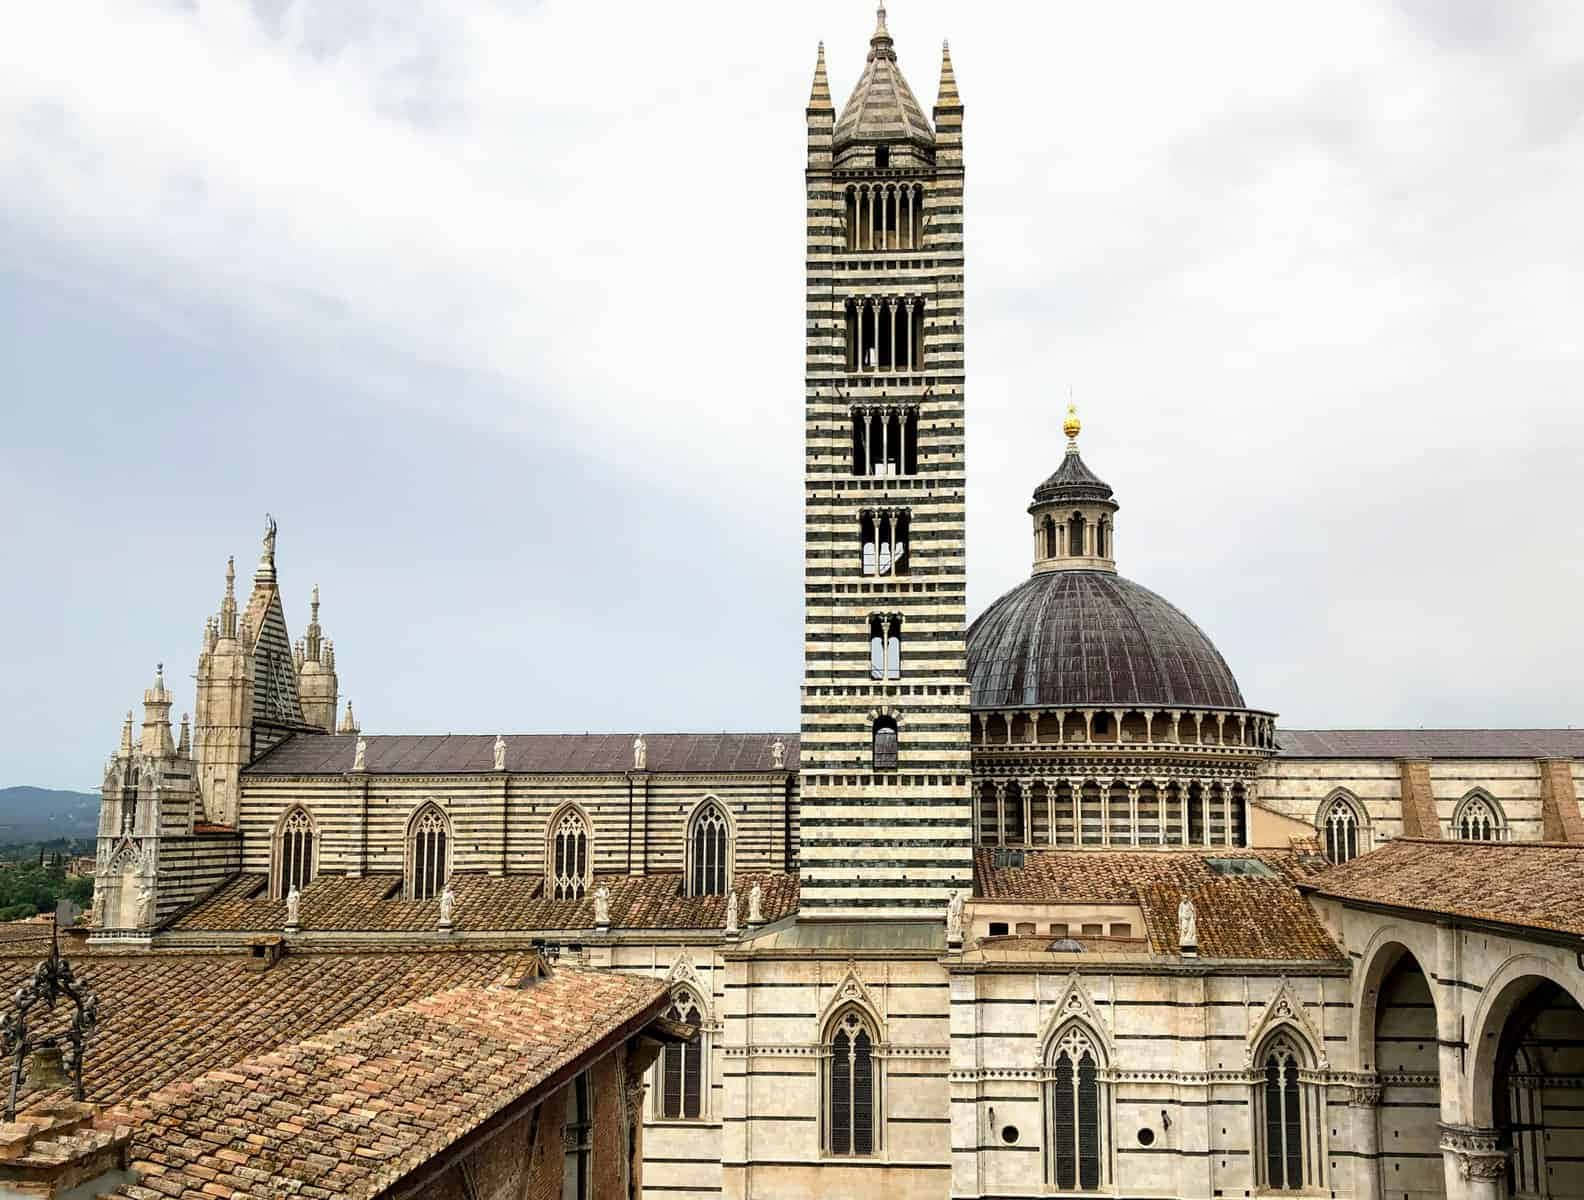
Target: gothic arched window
[
  {"x": 883, "y": 750},
  {"x": 1077, "y": 1147},
  {"x": 428, "y": 854},
  {"x": 568, "y": 856},
  {"x": 295, "y": 853},
  {"x": 708, "y": 851},
  {"x": 1477, "y": 819},
  {"x": 1339, "y": 830},
  {"x": 851, "y": 1088},
  {"x": 684, "y": 1079},
  {"x": 1285, "y": 1111}
]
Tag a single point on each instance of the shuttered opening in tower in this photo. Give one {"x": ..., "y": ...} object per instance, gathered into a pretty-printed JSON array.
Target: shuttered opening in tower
[
  {"x": 1066, "y": 1131},
  {"x": 841, "y": 1095},
  {"x": 863, "y": 1097},
  {"x": 1088, "y": 1125}
]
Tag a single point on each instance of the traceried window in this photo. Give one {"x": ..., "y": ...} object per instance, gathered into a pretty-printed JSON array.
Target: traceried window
[
  {"x": 1284, "y": 1111},
  {"x": 850, "y": 1091},
  {"x": 577, "y": 1141},
  {"x": 684, "y": 1081},
  {"x": 428, "y": 855},
  {"x": 1477, "y": 820},
  {"x": 884, "y": 750},
  {"x": 1077, "y": 1146},
  {"x": 709, "y": 851},
  {"x": 569, "y": 856},
  {"x": 296, "y": 852},
  {"x": 1339, "y": 830}
]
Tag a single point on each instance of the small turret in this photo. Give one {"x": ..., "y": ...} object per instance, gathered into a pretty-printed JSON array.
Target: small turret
[
  {"x": 1073, "y": 513},
  {"x": 156, "y": 740},
  {"x": 349, "y": 723},
  {"x": 227, "y": 622},
  {"x": 184, "y": 740},
  {"x": 125, "y": 749},
  {"x": 316, "y": 676}
]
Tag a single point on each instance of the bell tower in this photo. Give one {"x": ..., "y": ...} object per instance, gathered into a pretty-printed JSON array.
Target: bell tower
[{"x": 886, "y": 824}]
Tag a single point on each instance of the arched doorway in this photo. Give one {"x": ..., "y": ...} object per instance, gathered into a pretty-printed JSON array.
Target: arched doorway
[
  {"x": 1407, "y": 1060},
  {"x": 1537, "y": 1094}
]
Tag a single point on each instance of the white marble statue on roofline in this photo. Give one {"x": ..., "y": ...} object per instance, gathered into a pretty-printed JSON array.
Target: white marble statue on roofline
[
  {"x": 360, "y": 754},
  {"x": 640, "y": 754},
  {"x": 602, "y": 907},
  {"x": 500, "y": 753},
  {"x": 293, "y": 902},
  {"x": 954, "y": 919},
  {"x": 778, "y": 754},
  {"x": 1187, "y": 926},
  {"x": 731, "y": 913},
  {"x": 756, "y": 904},
  {"x": 447, "y": 905}
]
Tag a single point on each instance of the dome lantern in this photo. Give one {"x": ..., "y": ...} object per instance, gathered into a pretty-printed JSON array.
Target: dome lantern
[{"x": 1074, "y": 514}]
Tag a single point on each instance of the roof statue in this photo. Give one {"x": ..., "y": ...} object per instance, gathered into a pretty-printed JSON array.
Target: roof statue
[
  {"x": 360, "y": 754},
  {"x": 447, "y": 905},
  {"x": 293, "y": 902},
  {"x": 954, "y": 919},
  {"x": 731, "y": 914},
  {"x": 500, "y": 753},
  {"x": 640, "y": 753},
  {"x": 602, "y": 918},
  {"x": 756, "y": 904},
  {"x": 1187, "y": 926}
]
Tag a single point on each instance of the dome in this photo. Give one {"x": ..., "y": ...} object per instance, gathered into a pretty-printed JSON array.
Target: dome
[
  {"x": 1072, "y": 639},
  {"x": 882, "y": 108}
]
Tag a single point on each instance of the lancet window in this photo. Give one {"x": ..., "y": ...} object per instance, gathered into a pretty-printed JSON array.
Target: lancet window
[
  {"x": 295, "y": 853},
  {"x": 1339, "y": 830},
  {"x": 1285, "y": 1112},
  {"x": 1076, "y": 1111},
  {"x": 684, "y": 1078},
  {"x": 851, "y": 1087},
  {"x": 1478, "y": 820},
  {"x": 709, "y": 851},
  {"x": 428, "y": 854},
  {"x": 568, "y": 856}
]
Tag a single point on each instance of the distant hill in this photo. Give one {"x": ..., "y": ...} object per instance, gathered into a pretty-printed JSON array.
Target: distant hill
[{"x": 30, "y": 814}]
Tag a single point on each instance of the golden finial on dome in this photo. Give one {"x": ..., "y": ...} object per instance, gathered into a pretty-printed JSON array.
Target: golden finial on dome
[{"x": 1072, "y": 425}]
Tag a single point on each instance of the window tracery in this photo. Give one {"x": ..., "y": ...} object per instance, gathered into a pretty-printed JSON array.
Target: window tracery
[
  {"x": 1285, "y": 1110},
  {"x": 684, "y": 1074},
  {"x": 1339, "y": 830},
  {"x": 851, "y": 1087},
  {"x": 1478, "y": 820},
  {"x": 295, "y": 853},
  {"x": 569, "y": 856},
  {"x": 709, "y": 851},
  {"x": 429, "y": 849},
  {"x": 1076, "y": 1110}
]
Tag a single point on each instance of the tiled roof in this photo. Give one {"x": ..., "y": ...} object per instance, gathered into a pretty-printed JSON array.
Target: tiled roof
[
  {"x": 1239, "y": 916},
  {"x": 350, "y": 1112},
  {"x": 484, "y": 903},
  {"x": 165, "y": 1016},
  {"x": 1430, "y": 743},
  {"x": 531, "y": 754},
  {"x": 1075, "y": 638},
  {"x": 1534, "y": 884}
]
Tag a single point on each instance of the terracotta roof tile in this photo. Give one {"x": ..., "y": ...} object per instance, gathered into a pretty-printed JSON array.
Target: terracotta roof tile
[
  {"x": 484, "y": 903},
  {"x": 165, "y": 1016},
  {"x": 1534, "y": 884},
  {"x": 350, "y": 1111},
  {"x": 1240, "y": 916}
]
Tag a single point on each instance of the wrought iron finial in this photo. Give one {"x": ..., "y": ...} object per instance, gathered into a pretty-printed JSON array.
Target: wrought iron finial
[{"x": 52, "y": 980}]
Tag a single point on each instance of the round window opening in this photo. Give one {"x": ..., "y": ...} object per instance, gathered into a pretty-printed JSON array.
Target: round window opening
[
  {"x": 1009, "y": 1134},
  {"x": 1146, "y": 1137}
]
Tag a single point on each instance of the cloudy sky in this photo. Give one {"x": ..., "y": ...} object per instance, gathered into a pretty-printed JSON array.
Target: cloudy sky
[{"x": 497, "y": 307}]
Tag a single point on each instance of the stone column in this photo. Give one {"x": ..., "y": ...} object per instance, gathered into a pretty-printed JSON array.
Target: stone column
[
  {"x": 1476, "y": 1164},
  {"x": 1000, "y": 795},
  {"x": 1364, "y": 1108}
]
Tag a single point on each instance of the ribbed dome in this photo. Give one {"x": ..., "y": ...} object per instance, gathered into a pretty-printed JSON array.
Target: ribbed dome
[
  {"x": 882, "y": 108},
  {"x": 1082, "y": 638}
]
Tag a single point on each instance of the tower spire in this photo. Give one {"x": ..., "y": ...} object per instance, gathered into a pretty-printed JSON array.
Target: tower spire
[
  {"x": 947, "y": 96},
  {"x": 819, "y": 95},
  {"x": 228, "y": 605}
]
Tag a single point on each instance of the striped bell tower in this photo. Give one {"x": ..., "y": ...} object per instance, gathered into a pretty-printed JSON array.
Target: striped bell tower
[{"x": 886, "y": 824}]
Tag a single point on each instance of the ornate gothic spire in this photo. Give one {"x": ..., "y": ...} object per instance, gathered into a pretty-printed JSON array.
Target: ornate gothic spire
[
  {"x": 819, "y": 95},
  {"x": 947, "y": 96}
]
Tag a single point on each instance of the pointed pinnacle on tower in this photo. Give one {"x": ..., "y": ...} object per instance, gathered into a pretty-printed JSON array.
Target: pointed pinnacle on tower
[
  {"x": 819, "y": 94},
  {"x": 947, "y": 97},
  {"x": 184, "y": 742},
  {"x": 126, "y": 734},
  {"x": 266, "y": 567},
  {"x": 228, "y": 605}
]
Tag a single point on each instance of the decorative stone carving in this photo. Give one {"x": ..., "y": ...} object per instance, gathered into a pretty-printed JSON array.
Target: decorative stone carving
[
  {"x": 447, "y": 906},
  {"x": 145, "y": 906},
  {"x": 756, "y": 904},
  {"x": 1478, "y": 1152},
  {"x": 1285, "y": 1009},
  {"x": 500, "y": 753},
  {"x": 778, "y": 754},
  {"x": 1187, "y": 927},
  {"x": 731, "y": 915},
  {"x": 1074, "y": 1003},
  {"x": 602, "y": 907},
  {"x": 293, "y": 901},
  {"x": 640, "y": 754},
  {"x": 954, "y": 919},
  {"x": 1365, "y": 1095},
  {"x": 360, "y": 755}
]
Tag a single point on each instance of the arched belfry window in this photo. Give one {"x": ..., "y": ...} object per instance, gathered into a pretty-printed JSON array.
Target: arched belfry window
[
  {"x": 1077, "y": 1108},
  {"x": 709, "y": 851},
  {"x": 1075, "y": 536},
  {"x": 568, "y": 856},
  {"x": 295, "y": 852},
  {"x": 684, "y": 1066},
  {"x": 884, "y": 748},
  {"x": 1478, "y": 819},
  {"x": 852, "y": 1086},
  {"x": 1341, "y": 829},
  {"x": 1286, "y": 1112},
  {"x": 428, "y": 853}
]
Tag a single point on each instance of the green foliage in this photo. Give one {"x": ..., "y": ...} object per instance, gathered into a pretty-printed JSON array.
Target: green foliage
[{"x": 27, "y": 888}]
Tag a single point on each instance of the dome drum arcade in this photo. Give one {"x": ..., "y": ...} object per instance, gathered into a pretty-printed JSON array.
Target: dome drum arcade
[{"x": 1102, "y": 715}]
